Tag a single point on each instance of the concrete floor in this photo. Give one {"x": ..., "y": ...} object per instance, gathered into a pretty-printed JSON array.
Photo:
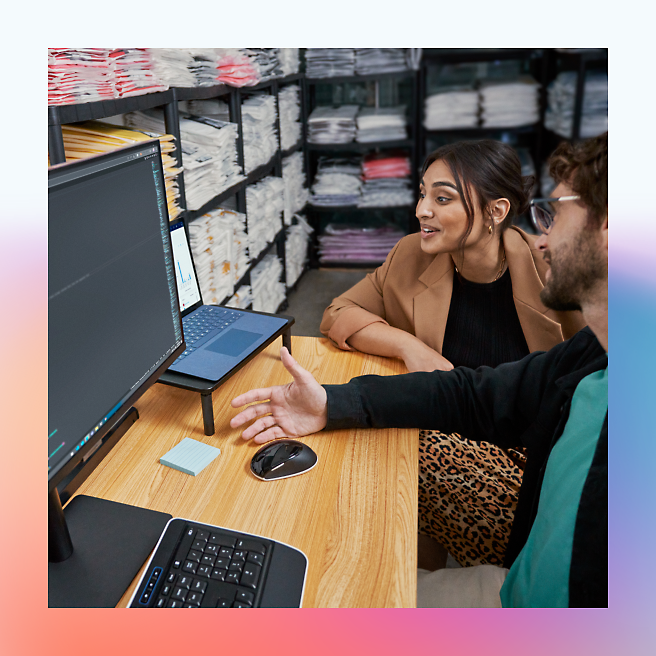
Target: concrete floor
[{"x": 314, "y": 292}]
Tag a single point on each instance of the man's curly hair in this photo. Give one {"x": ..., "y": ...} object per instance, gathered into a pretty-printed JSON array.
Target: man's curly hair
[{"x": 584, "y": 166}]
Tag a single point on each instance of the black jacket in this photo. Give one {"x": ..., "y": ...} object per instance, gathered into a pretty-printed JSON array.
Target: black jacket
[{"x": 524, "y": 403}]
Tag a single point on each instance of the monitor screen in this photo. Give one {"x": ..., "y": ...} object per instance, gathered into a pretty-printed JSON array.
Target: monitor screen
[{"x": 113, "y": 315}]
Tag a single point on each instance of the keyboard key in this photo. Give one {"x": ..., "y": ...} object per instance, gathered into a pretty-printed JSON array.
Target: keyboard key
[
  {"x": 191, "y": 606},
  {"x": 199, "y": 586},
  {"x": 179, "y": 593},
  {"x": 238, "y": 604},
  {"x": 166, "y": 590},
  {"x": 251, "y": 545},
  {"x": 174, "y": 603},
  {"x": 161, "y": 602},
  {"x": 233, "y": 577},
  {"x": 225, "y": 552},
  {"x": 185, "y": 582},
  {"x": 212, "y": 549},
  {"x": 190, "y": 567},
  {"x": 198, "y": 545},
  {"x": 202, "y": 535},
  {"x": 218, "y": 574},
  {"x": 195, "y": 598},
  {"x": 245, "y": 597},
  {"x": 255, "y": 558},
  {"x": 236, "y": 566},
  {"x": 222, "y": 563},
  {"x": 250, "y": 575},
  {"x": 208, "y": 559},
  {"x": 223, "y": 603},
  {"x": 204, "y": 570},
  {"x": 194, "y": 556},
  {"x": 177, "y": 563},
  {"x": 171, "y": 577},
  {"x": 239, "y": 554},
  {"x": 223, "y": 540}
]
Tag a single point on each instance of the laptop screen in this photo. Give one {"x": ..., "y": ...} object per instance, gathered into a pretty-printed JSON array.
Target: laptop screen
[{"x": 185, "y": 275}]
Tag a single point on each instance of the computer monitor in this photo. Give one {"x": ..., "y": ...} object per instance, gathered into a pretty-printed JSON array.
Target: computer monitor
[{"x": 113, "y": 328}]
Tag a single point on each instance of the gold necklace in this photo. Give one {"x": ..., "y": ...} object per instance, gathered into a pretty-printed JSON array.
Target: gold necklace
[
  {"x": 499, "y": 272},
  {"x": 503, "y": 263}
]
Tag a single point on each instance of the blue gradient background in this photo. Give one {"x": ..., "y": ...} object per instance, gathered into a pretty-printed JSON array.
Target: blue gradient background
[{"x": 29, "y": 628}]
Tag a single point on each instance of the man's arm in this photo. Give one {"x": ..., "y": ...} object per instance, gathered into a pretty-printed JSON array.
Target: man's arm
[{"x": 496, "y": 405}]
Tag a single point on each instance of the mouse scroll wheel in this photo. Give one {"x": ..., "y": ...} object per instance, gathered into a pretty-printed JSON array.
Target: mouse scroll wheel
[
  {"x": 283, "y": 454},
  {"x": 294, "y": 452}
]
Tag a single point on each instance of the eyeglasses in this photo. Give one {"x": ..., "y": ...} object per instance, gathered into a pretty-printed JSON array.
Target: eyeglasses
[{"x": 542, "y": 212}]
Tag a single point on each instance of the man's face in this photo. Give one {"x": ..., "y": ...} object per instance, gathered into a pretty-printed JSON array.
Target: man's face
[{"x": 576, "y": 255}]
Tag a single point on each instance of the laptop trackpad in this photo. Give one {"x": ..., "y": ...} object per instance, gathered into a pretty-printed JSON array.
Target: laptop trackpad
[{"x": 233, "y": 342}]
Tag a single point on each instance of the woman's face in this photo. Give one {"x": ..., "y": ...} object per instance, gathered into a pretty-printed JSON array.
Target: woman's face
[{"x": 442, "y": 215}]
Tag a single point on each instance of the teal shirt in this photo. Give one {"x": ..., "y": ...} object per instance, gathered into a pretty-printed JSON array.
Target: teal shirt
[{"x": 539, "y": 577}]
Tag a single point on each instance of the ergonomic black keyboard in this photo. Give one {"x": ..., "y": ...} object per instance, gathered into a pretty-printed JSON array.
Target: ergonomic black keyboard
[
  {"x": 201, "y": 566},
  {"x": 203, "y": 324}
]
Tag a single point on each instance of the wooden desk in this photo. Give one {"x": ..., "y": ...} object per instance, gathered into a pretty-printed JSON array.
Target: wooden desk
[{"x": 354, "y": 515}]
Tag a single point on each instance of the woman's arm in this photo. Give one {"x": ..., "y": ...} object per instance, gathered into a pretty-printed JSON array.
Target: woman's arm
[
  {"x": 358, "y": 307},
  {"x": 383, "y": 339}
]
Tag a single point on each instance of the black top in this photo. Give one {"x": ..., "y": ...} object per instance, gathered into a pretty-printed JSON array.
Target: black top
[{"x": 483, "y": 327}]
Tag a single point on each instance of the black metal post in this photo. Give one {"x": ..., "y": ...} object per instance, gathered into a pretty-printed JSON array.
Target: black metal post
[
  {"x": 172, "y": 125},
  {"x": 56, "y": 150},
  {"x": 578, "y": 99},
  {"x": 208, "y": 413}
]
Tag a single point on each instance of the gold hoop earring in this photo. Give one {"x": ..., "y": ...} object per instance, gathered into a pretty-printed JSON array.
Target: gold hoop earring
[{"x": 489, "y": 228}]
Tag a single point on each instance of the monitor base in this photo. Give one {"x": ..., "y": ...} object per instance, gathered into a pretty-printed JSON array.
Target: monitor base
[{"x": 111, "y": 542}]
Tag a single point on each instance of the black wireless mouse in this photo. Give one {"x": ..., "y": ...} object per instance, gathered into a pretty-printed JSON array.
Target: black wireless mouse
[{"x": 282, "y": 459}]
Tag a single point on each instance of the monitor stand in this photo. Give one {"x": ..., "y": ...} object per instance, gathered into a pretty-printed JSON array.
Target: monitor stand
[
  {"x": 111, "y": 542},
  {"x": 96, "y": 547}
]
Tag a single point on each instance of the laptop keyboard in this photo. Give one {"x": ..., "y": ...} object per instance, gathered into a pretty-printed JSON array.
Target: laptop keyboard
[
  {"x": 208, "y": 567},
  {"x": 203, "y": 324}
]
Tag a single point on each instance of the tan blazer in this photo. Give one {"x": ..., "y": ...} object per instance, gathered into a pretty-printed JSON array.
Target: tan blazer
[{"x": 411, "y": 290}]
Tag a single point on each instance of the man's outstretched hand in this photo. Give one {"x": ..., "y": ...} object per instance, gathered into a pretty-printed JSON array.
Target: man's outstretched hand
[{"x": 293, "y": 410}]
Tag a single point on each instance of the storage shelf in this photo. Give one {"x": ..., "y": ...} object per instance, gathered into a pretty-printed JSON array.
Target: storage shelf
[
  {"x": 349, "y": 264},
  {"x": 355, "y": 208},
  {"x": 588, "y": 55},
  {"x": 483, "y": 131},
  {"x": 297, "y": 146},
  {"x": 268, "y": 83},
  {"x": 75, "y": 113},
  {"x": 350, "y": 79},
  {"x": 357, "y": 147},
  {"x": 253, "y": 263},
  {"x": 470, "y": 55},
  {"x": 63, "y": 114},
  {"x": 255, "y": 176},
  {"x": 202, "y": 93}
]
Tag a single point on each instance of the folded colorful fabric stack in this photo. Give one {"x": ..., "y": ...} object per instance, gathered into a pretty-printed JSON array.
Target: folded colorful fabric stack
[{"x": 353, "y": 244}]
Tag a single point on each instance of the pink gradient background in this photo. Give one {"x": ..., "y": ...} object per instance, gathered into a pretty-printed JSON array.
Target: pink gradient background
[{"x": 29, "y": 628}]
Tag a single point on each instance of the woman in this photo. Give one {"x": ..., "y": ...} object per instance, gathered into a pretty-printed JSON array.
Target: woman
[{"x": 464, "y": 291}]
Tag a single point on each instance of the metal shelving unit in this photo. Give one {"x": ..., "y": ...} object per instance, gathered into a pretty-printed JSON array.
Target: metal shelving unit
[
  {"x": 529, "y": 136},
  {"x": 317, "y": 214},
  {"x": 168, "y": 101},
  {"x": 581, "y": 62}
]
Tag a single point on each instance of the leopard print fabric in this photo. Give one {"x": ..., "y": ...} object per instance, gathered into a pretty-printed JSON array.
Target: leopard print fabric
[{"x": 468, "y": 495}]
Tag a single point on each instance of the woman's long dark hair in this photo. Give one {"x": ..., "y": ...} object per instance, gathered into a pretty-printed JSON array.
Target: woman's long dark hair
[{"x": 492, "y": 170}]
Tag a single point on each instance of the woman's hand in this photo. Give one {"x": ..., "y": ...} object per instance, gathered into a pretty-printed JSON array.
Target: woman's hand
[
  {"x": 293, "y": 410},
  {"x": 419, "y": 357}
]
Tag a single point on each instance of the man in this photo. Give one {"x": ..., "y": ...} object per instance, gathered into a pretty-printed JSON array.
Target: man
[{"x": 555, "y": 404}]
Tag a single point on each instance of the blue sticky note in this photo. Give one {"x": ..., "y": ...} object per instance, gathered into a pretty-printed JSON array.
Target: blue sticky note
[{"x": 190, "y": 456}]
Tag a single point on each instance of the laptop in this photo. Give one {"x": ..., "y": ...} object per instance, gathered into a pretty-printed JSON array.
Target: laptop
[{"x": 218, "y": 339}]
